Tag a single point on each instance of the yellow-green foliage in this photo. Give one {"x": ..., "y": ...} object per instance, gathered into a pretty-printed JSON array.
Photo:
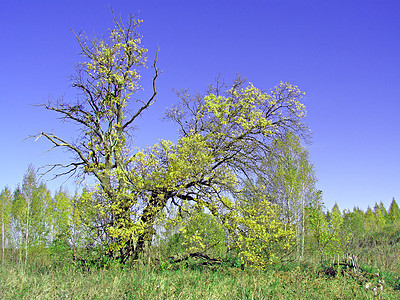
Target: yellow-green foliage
[
  {"x": 262, "y": 237},
  {"x": 5, "y": 214},
  {"x": 112, "y": 64},
  {"x": 339, "y": 237},
  {"x": 330, "y": 232},
  {"x": 201, "y": 232},
  {"x": 394, "y": 212},
  {"x": 201, "y": 168},
  {"x": 319, "y": 228},
  {"x": 224, "y": 136},
  {"x": 61, "y": 211}
]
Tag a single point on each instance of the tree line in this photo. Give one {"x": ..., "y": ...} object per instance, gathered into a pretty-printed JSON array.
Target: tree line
[{"x": 32, "y": 221}]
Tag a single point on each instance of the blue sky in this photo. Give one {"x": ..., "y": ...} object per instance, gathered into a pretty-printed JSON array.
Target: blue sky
[{"x": 343, "y": 54}]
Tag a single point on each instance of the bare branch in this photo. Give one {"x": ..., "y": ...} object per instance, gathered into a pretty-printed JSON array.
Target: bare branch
[{"x": 150, "y": 100}]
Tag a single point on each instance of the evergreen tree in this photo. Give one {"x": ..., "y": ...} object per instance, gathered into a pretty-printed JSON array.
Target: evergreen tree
[
  {"x": 394, "y": 212},
  {"x": 354, "y": 225},
  {"x": 340, "y": 238},
  {"x": 383, "y": 209},
  {"x": 369, "y": 221},
  {"x": 380, "y": 220}
]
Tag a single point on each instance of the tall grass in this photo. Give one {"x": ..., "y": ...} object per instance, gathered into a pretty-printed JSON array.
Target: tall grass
[
  {"x": 53, "y": 274},
  {"x": 181, "y": 282}
]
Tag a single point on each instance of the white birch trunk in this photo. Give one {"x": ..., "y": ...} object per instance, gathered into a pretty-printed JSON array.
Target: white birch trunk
[
  {"x": 303, "y": 219},
  {"x": 2, "y": 234},
  {"x": 27, "y": 232}
]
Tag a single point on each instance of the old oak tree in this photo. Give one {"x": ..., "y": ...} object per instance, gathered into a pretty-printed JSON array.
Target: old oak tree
[{"x": 224, "y": 134}]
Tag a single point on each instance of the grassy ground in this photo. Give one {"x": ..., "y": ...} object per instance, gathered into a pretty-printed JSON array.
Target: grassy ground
[
  {"x": 49, "y": 276},
  {"x": 291, "y": 282}
]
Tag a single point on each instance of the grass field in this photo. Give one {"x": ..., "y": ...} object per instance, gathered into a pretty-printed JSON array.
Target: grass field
[
  {"x": 186, "y": 281},
  {"x": 53, "y": 274}
]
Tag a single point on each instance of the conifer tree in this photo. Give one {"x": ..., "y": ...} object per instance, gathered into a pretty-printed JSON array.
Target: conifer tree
[
  {"x": 354, "y": 225},
  {"x": 369, "y": 221},
  {"x": 383, "y": 209},
  {"x": 337, "y": 244},
  {"x": 380, "y": 220},
  {"x": 394, "y": 212}
]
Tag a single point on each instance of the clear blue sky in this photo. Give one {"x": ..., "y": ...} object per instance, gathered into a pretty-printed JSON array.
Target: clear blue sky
[{"x": 344, "y": 54}]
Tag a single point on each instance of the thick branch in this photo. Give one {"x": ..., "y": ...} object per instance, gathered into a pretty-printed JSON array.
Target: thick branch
[{"x": 149, "y": 101}]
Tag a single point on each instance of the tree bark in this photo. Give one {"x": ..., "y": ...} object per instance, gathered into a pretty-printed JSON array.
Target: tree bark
[
  {"x": 2, "y": 234},
  {"x": 27, "y": 231},
  {"x": 157, "y": 202}
]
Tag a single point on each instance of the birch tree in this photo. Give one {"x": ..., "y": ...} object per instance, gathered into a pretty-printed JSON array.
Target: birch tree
[
  {"x": 289, "y": 181},
  {"x": 29, "y": 210},
  {"x": 18, "y": 213},
  {"x": 62, "y": 213},
  {"x": 319, "y": 228},
  {"x": 5, "y": 211}
]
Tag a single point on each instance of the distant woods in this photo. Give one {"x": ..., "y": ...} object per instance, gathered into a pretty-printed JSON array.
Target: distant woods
[{"x": 35, "y": 223}]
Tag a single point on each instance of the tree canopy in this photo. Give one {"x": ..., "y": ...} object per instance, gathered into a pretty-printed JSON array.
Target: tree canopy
[{"x": 224, "y": 135}]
